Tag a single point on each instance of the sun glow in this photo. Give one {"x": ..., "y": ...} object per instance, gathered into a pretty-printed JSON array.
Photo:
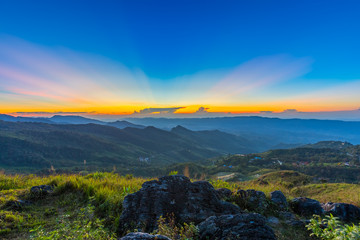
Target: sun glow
[{"x": 38, "y": 81}]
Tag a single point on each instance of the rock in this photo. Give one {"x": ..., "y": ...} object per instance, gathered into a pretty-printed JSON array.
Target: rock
[
  {"x": 17, "y": 204},
  {"x": 279, "y": 199},
  {"x": 252, "y": 200},
  {"x": 143, "y": 236},
  {"x": 273, "y": 221},
  {"x": 291, "y": 219},
  {"x": 247, "y": 226},
  {"x": 344, "y": 211},
  {"x": 41, "y": 191},
  {"x": 306, "y": 206},
  {"x": 187, "y": 201},
  {"x": 223, "y": 193}
]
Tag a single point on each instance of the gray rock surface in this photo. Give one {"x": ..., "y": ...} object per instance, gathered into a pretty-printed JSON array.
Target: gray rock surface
[
  {"x": 252, "y": 200},
  {"x": 249, "y": 226},
  {"x": 273, "y": 221},
  {"x": 279, "y": 199},
  {"x": 344, "y": 211},
  {"x": 223, "y": 193},
  {"x": 143, "y": 236},
  {"x": 290, "y": 219},
  {"x": 306, "y": 206},
  {"x": 189, "y": 202}
]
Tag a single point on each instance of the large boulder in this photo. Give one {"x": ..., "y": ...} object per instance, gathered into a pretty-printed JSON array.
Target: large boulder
[
  {"x": 247, "y": 226},
  {"x": 143, "y": 236},
  {"x": 172, "y": 195},
  {"x": 279, "y": 199},
  {"x": 252, "y": 200},
  {"x": 306, "y": 206},
  {"x": 344, "y": 211}
]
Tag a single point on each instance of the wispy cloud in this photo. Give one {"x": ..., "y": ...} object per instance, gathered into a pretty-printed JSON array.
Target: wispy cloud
[
  {"x": 49, "y": 80},
  {"x": 158, "y": 110},
  {"x": 66, "y": 79},
  {"x": 256, "y": 74}
]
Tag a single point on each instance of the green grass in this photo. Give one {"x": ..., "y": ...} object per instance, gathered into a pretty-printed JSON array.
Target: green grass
[
  {"x": 334, "y": 192},
  {"x": 90, "y": 205},
  {"x": 105, "y": 190}
]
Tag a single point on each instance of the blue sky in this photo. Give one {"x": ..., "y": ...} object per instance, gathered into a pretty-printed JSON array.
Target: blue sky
[
  {"x": 170, "y": 38},
  {"x": 166, "y": 40}
]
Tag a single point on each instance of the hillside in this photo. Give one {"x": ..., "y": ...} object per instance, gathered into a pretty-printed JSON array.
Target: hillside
[
  {"x": 90, "y": 206},
  {"x": 325, "y": 161},
  {"x": 269, "y": 132},
  {"x": 60, "y": 119},
  {"x": 38, "y": 145},
  {"x": 264, "y": 133}
]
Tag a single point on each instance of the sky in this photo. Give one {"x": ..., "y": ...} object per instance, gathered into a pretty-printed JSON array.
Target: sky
[{"x": 201, "y": 58}]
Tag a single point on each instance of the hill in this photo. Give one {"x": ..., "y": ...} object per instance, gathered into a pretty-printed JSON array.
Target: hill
[
  {"x": 39, "y": 145},
  {"x": 325, "y": 161},
  {"x": 60, "y": 119},
  {"x": 330, "y": 144},
  {"x": 124, "y": 124},
  {"x": 269, "y": 132}
]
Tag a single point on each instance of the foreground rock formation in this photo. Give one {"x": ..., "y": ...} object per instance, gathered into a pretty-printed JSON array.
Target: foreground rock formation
[
  {"x": 306, "y": 206},
  {"x": 199, "y": 203},
  {"x": 247, "y": 226},
  {"x": 143, "y": 236},
  {"x": 344, "y": 211},
  {"x": 189, "y": 202}
]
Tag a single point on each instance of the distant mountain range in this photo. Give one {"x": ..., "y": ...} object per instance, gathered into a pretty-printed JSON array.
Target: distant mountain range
[
  {"x": 40, "y": 145},
  {"x": 269, "y": 132},
  {"x": 59, "y": 119},
  {"x": 261, "y": 133}
]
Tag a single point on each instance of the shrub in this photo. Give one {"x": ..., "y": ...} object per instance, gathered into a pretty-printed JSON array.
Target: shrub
[
  {"x": 330, "y": 228},
  {"x": 168, "y": 227},
  {"x": 173, "y": 173}
]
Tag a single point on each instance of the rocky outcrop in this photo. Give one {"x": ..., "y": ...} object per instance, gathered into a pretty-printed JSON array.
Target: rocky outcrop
[
  {"x": 177, "y": 195},
  {"x": 306, "y": 206},
  {"x": 241, "y": 226},
  {"x": 223, "y": 193},
  {"x": 252, "y": 200},
  {"x": 41, "y": 191},
  {"x": 279, "y": 199},
  {"x": 143, "y": 236},
  {"x": 344, "y": 211}
]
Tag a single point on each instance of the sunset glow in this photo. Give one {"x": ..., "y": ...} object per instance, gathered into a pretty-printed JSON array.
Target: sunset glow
[{"x": 42, "y": 78}]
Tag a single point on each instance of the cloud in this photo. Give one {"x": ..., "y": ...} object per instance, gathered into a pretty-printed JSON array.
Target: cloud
[
  {"x": 58, "y": 78},
  {"x": 290, "y": 111},
  {"x": 158, "y": 110},
  {"x": 202, "y": 110},
  {"x": 257, "y": 74}
]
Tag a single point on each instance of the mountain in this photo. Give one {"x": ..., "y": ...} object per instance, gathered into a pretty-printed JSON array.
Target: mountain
[
  {"x": 124, "y": 124},
  {"x": 330, "y": 144},
  {"x": 60, "y": 119},
  {"x": 269, "y": 131},
  {"x": 39, "y": 145},
  {"x": 10, "y": 118},
  {"x": 224, "y": 142},
  {"x": 73, "y": 120}
]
